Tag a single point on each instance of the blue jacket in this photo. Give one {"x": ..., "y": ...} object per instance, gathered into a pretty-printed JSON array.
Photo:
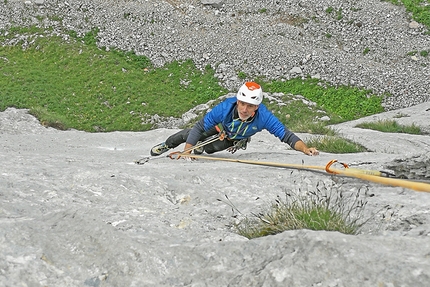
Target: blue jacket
[{"x": 236, "y": 129}]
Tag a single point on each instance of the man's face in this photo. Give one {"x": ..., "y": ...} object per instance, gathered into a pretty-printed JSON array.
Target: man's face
[{"x": 245, "y": 110}]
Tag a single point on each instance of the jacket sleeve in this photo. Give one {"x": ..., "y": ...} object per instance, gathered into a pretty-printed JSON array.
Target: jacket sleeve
[
  {"x": 210, "y": 120},
  {"x": 196, "y": 132},
  {"x": 290, "y": 138},
  {"x": 275, "y": 127}
]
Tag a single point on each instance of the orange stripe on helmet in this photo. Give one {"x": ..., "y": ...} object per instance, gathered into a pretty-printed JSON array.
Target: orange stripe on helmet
[{"x": 252, "y": 86}]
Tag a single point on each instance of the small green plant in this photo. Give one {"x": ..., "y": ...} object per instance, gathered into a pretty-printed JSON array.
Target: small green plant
[
  {"x": 335, "y": 144},
  {"x": 327, "y": 208},
  {"x": 242, "y": 75},
  {"x": 391, "y": 126},
  {"x": 329, "y": 10},
  {"x": 328, "y": 35},
  {"x": 90, "y": 38},
  {"x": 339, "y": 15},
  {"x": 424, "y": 53},
  {"x": 412, "y": 53},
  {"x": 262, "y": 10},
  {"x": 366, "y": 51}
]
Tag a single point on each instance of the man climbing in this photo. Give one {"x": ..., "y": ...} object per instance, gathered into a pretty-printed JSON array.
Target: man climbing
[{"x": 236, "y": 119}]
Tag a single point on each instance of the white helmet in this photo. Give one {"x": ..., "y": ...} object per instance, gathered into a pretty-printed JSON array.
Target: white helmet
[{"x": 250, "y": 93}]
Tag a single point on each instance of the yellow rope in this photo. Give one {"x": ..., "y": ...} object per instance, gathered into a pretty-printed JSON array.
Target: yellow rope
[{"x": 369, "y": 175}]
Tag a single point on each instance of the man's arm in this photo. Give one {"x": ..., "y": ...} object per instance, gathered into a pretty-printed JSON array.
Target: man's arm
[
  {"x": 301, "y": 146},
  {"x": 194, "y": 135}
]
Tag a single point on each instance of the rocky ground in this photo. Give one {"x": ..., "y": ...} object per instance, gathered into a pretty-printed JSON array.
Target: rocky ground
[
  {"x": 75, "y": 209},
  {"x": 367, "y": 44}
]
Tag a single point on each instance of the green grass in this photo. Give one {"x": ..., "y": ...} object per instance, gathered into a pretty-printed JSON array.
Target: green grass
[
  {"x": 335, "y": 144},
  {"x": 81, "y": 86},
  {"x": 418, "y": 8},
  {"x": 343, "y": 103},
  {"x": 366, "y": 51},
  {"x": 391, "y": 126},
  {"x": 329, "y": 10},
  {"x": 328, "y": 208}
]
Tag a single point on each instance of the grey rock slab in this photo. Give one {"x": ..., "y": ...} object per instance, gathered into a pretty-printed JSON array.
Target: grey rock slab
[
  {"x": 405, "y": 145},
  {"x": 75, "y": 210}
]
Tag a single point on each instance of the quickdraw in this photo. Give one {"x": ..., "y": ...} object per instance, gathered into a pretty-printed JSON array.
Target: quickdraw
[
  {"x": 357, "y": 170},
  {"x": 239, "y": 144}
]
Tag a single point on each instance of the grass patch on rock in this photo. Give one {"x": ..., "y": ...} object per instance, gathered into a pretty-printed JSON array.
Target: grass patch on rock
[
  {"x": 327, "y": 208},
  {"x": 391, "y": 126},
  {"x": 335, "y": 144}
]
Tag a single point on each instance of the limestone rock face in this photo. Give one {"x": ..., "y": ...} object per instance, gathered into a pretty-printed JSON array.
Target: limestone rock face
[{"x": 75, "y": 210}]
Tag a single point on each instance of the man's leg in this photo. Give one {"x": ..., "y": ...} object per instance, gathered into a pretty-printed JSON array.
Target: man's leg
[
  {"x": 181, "y": 137},
  {"x": 218, "y": 146},
  {"x": 214, "y": 146},
  {"x": 178, "y": 138}
]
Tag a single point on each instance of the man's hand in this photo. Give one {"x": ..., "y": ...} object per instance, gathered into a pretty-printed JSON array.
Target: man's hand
[
  {"x": 312, "y": 151},
  {"x": 186, "y": 154},
  {"x": 301, "y": 146}
]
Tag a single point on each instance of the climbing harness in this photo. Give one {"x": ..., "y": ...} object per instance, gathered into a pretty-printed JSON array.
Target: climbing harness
[{"x": 239, "y": 144}]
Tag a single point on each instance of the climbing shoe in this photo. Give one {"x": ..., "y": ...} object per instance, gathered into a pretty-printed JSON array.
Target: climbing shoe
[{"x": 159, "y": 149}]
